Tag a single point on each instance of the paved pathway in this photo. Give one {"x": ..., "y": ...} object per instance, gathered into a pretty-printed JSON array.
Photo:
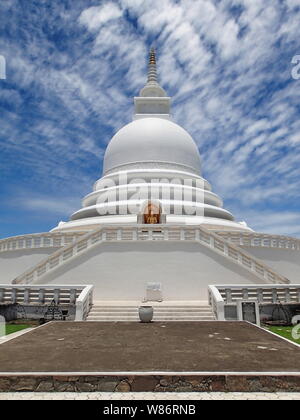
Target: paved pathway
[{"x": 149, "y": 396}]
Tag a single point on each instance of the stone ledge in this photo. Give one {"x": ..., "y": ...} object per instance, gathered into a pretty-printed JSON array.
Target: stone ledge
[{"x": 150, "y": 383}]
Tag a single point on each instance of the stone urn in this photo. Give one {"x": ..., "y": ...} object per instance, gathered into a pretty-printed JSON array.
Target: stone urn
[{"x": 146, "y": 313}]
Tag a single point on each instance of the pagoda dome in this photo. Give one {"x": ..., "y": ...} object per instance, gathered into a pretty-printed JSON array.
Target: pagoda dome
[{"x": 152, "y": 140}]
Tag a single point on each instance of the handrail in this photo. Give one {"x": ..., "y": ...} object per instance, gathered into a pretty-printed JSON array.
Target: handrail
[
  {"x": 41, "y": 294},
  {"x": 149, "y": 233},
  {"x": 263, "y": 293},
  {"x": 84, "y": 303},
  {"x": 39, "y": 240},
  {"x": 79, "y": 295},
  {"x": 221, "y": 295},
  {"x": 217, "y": 302},
  {"x": 60, "y": 239},
  {"x": 256, "y": 239}
]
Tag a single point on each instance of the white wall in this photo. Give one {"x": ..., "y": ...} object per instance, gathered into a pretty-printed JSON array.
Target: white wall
[
  {"x": 284, "y": 261},
  {"x": 13, "y": 263},
  {"x": 122, "y": 270}
]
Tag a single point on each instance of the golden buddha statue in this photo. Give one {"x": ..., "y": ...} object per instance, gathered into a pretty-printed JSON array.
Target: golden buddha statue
[{"x": 152, "y": 214}]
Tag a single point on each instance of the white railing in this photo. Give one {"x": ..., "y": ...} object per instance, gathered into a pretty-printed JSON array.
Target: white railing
[
  {"x": 28, "y": 294},
  {"x": 84, "y": 303},
  {"x": 216, "y": 302},
  {"x": 254, "y": 239},
  {"x": 81, "y": 296},
  {"x": 153, "y": 233},
  {"x": 262, "y": 293},
  {"x": 39, "y": 240},
  {"x": 222, "y": 295}
]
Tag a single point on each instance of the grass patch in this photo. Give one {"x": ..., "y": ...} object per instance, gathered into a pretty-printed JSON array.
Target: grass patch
[
  {"x": 285, "y": 332},
  {"x": 12, "y": 328}
]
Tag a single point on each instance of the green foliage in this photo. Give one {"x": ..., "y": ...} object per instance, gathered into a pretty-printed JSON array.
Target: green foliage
[
  {"x": 12, "y": 328},
  {"x": 285, "y": 332}
]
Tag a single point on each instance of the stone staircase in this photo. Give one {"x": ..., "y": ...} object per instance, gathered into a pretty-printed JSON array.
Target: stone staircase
[{"x": 185, "y": 311}]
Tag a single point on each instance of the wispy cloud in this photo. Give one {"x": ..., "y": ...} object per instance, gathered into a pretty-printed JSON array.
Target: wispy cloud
[{"x": 73, "y": 68}]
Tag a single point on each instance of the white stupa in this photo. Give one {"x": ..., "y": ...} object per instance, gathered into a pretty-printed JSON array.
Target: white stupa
[
  {"x": 154, "y": 161},
  {"x": 152, "y": 225}
]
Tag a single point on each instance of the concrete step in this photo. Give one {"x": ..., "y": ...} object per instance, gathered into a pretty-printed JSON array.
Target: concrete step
[
  {"x": 109, "y": 311},
  {"x": 113, "y": 318},
  {"x": 163, "y": 306},
  {"x": 156, "y": 313},
  {"x": 158, "y": 316},
  {"x": 119, "y": 314},
  {"x": 136, "y": 319},
  {"x": 156, "y": 308}
]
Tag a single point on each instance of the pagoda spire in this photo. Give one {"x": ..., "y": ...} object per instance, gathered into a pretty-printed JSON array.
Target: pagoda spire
[
  {"x": 152, "y": 87},
  {"x": 152, "y": 100},
  {"x": 152, "y": 72}
]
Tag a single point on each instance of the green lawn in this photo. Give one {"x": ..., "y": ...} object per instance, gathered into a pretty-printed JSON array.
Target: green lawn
[
  {"x": 12, "y": 328},
  {"x": 285, "y": 332}
]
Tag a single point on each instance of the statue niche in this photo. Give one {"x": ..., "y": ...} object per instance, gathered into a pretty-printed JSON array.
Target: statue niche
[{"x": 152, "y": 214}]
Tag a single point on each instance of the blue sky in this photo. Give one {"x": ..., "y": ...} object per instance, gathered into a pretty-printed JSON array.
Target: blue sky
[{"x": 74, "y": 66}]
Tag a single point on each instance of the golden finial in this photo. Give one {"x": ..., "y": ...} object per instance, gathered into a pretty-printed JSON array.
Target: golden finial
[
  {"x": 152, "y": 58},
  {"x": 152, "y": 76}
]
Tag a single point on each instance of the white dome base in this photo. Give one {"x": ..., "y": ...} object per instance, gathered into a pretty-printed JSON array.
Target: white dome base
[{"x": 92, "y": 223}]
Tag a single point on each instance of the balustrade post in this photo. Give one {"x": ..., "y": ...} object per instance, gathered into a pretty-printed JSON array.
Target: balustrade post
[
  {"x": 287, "y": 295},
  {"x": 260, "y": 296},
  {"x": 245, "y": 293},
  {"x": 14, "y": 295},
  {"x": 73, "y": 296},
  {"x": 228, "y": 295},
  {"x": 48, "y": 267},
  {"x": 42, "y": 296},
  {"x": 26, "y": 295},
  {"x": 252, "y": 265},
  {"x": 240, "y": 258},
  {"x": 274, "y": 295},
  {"x": 2, "y": 295},
  {"x": 56, "y": 295}
]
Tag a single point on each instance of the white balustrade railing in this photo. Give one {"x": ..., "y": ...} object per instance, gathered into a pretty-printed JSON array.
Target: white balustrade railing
[
  {"x": 216, "y": 301},
  {"x": 81, "y": 296},
  {"x": 152, "y": 233},
  {"x": 255, "y": 239},
  {"x": 39, "y": 240},
  {"x": 221, "y": 295},
  {"x": 263, "y": 293},
  {"x": 84, "y": 303}
]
